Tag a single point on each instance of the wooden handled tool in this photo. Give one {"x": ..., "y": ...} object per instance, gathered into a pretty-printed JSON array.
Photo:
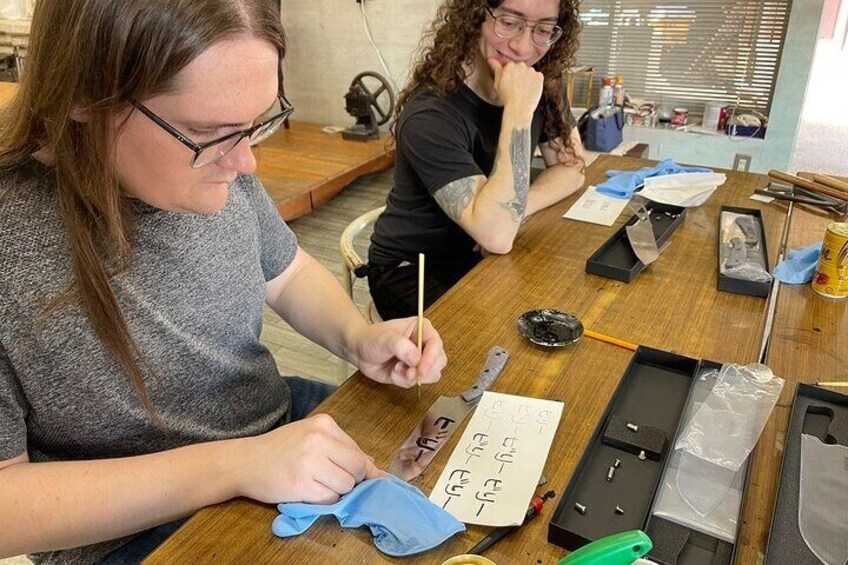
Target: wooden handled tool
[
  {"x": 831, "y": 182},
  {"x": 791, "y": 198},
  {"x": 809, "y": 185}
]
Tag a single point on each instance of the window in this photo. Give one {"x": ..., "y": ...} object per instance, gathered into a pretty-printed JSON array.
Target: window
[{"x": 685, "y": 53}]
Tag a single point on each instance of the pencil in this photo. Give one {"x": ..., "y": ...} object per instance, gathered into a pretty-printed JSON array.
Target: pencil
[
  {"x": 420, "y": 318},
  {"x": 612, "y": 340},
  {"x": 833, "y": 384}
]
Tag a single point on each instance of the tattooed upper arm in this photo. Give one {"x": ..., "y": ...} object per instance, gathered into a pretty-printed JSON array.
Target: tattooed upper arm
[{"x": 455, "y": 196}]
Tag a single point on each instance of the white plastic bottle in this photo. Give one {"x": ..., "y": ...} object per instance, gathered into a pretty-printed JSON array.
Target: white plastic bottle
[{"x": 605, "y": 98}]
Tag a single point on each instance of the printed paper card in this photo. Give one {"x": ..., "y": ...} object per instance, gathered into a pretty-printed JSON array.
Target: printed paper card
[
  {"x": 596, "y": 208},
  {"x": 492, "y": 474}
]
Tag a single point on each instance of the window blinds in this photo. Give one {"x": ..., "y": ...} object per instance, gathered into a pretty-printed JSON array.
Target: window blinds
[{"x": 685, "y": 53}]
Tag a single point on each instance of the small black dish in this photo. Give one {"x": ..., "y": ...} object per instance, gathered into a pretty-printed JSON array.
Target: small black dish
[{"x": 550, "y": 328}]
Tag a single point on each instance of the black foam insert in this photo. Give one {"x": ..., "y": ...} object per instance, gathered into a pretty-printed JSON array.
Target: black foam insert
[
  {"x": 817, "y": 412},
  {"x": 615, "y": 259},
  {"x": 649, "y": 439},
  {"x": 678, "y": 545},
  {"x": 652, "y": 392}
]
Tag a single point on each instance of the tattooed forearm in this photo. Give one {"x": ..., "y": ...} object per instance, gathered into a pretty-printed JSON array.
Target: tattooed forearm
[
  {"x": 455, "y": 197},
  {"x": 519, "y": 153}
]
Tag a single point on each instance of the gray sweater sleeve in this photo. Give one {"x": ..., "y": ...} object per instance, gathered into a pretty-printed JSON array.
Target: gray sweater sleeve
[
  {"x": 12, "y": 411},
  {"x": 278, "y": 244}
]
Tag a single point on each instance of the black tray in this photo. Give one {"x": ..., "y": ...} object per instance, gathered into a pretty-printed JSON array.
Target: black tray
[
  {"x": 740, "y": 286},
  {"x": 817, "y": 412},
  {"x": 653, "y": 392},
  {"x": 652, "y": 375},
  {"x": 615, "y": 259}
]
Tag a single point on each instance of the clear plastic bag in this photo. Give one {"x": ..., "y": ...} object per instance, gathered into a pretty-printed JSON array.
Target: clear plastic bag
[
  {"x": 741, "y": 250},
  {"x": 728, "y": 424},
  {"x": 695, "y": 493}
]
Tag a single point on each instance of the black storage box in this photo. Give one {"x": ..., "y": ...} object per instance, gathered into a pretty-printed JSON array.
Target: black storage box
[
  {"x": 741, "y": 286},
  {"x": 615, "y": 259},
  {"x": 653, "y": 393},
  {"x": 821, "y": 413}
]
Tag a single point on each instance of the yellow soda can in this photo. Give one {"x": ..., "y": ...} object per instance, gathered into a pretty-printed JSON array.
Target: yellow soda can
[{"x": 831, "y": 278}]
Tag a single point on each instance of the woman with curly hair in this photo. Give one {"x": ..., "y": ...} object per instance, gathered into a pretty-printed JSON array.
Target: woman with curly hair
[{"x": 481, "y": 99}]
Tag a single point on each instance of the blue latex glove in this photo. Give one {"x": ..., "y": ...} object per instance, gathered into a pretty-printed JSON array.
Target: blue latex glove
[
  {"x": 402, "y": 520},
  {"x": 799, "y": 265},
  {"x": 622, "y": 184}
]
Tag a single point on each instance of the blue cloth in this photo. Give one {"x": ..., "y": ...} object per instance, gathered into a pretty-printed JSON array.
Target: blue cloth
[
  {"x": 622, "y": 184},
  {"x": 402, "y": 520},
  {"x": 799, "y": 265}
]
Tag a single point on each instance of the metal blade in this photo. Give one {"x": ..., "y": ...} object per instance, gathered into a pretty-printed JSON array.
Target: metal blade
[
  {"x": 823, "y": 491},
  {"x": 442, "y": 419}
]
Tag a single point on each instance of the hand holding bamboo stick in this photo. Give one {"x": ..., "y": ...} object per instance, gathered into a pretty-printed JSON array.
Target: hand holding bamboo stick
[{"x": 420, "y": 317}]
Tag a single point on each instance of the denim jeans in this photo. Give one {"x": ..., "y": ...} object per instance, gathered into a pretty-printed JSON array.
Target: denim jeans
[{"x": 306, "y": 395}]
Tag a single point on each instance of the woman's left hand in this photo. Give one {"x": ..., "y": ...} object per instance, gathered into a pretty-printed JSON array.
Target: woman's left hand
[{"x": 387, "y": 352}]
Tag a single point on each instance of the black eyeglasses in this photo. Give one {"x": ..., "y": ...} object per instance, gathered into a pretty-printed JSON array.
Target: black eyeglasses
[
  {"x": 211, "y": 151},
  {"x": 507, "y": 26}
]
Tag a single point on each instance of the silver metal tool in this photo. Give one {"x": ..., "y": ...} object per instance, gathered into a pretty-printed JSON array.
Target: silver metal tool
[
  {"x": 642, "y": 455},
  {"x": 632, "y": 427},
  {"x": 610, "y": 474},
  {"x": 618, "y": 510},
  {"x": 442, "y": 419},
  {"x": 579, "y": 507},
  {"x": 617, "y": 463}
]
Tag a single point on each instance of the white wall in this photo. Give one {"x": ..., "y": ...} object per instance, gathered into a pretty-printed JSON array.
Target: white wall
[{"x": 328, "y": 48}]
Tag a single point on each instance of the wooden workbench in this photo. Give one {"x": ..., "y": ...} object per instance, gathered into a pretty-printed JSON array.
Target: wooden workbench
[{"x": 303, "y": 167}]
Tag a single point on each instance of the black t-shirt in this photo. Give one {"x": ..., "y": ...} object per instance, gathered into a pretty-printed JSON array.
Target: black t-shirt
[{"x": 440, "y": 140}]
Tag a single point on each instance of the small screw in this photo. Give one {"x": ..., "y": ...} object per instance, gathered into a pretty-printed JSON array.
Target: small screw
[
  {"x": 642, "y": 455},
  {"x": 610, "y": 474},
  {"x": 579, "y": 507},
  {"x": 618, "y": 510},
  {"x": 632, "y": 427},
  {"x": 617, "y": 463}
]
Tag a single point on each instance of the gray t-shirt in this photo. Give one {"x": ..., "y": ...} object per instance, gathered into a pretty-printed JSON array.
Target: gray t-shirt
[{"x": 193, "y": 301}]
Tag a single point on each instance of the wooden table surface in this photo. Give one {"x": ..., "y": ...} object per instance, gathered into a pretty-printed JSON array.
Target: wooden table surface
[
  {"x": 673, "y": 305},
  {"x": 809, "y": 343},
  {"x": 302, "y": 167},
  {"x": 7, "y": 91}
]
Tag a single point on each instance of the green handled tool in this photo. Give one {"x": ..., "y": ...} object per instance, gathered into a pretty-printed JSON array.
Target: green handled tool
[{"x": 620, "y": 549}]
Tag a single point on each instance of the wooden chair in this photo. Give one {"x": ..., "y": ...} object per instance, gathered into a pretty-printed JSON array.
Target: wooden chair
[{"x": 353, "y": 267}]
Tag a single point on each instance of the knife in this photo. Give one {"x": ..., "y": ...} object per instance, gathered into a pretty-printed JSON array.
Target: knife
[{"x": 443, "y": 418}]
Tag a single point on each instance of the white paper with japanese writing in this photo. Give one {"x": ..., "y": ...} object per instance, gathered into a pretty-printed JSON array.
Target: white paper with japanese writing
[
  {"x": 596, "y": 208},
  {"x": 492, "y": 474}
]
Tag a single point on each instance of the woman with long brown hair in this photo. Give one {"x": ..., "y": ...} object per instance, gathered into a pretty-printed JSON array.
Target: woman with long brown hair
[
  {"x": 136, "y": 251},
  {"x": 483, "y": 96}
]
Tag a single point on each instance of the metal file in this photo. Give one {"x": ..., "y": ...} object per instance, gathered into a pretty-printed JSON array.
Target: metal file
[{"x": 443, "y": 418}]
